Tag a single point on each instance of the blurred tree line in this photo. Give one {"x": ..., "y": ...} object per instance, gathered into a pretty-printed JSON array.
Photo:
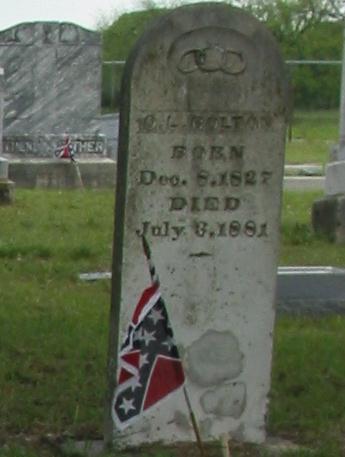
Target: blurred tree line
[{"x": 304, "y": 29}]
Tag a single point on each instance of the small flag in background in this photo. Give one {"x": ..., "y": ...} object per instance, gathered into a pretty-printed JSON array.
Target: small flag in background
[
  {"x": 149, "y": 364},
  {"x": 65, "y": 151}
]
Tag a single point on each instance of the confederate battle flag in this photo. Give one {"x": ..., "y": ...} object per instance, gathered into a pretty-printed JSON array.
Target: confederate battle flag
[
  {"x": 66, "y": 150},
  {"x": 149, "y": 364}
]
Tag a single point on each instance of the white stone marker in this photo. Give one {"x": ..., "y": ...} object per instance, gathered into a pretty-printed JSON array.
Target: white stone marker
[
  {"x": 200, "y": 165},
  {"x": 328, "y": 213}
]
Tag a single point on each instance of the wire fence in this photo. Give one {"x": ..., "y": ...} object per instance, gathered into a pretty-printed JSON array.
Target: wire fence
[{"x": 315, "y": 83}]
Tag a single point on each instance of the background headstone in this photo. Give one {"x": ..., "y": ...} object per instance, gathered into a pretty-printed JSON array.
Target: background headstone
[
  {"x": 2, "y": 90},
  {"x": 53, "y": 87},
  {"x": 328, "y": 213},
  {"x": 200, "y": 164},
  {"x": 6, "y": 186}
]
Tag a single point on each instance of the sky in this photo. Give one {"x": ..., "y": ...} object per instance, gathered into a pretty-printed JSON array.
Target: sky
[{"x": 87, "y": 13}]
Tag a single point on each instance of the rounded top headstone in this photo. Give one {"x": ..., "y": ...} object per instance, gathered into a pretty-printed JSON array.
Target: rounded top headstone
[
  {"x": 207, "y": 53},
  {"x": 199, "y": 175}
]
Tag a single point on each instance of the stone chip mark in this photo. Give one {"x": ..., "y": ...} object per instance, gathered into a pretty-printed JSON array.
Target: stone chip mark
[
  {"x": 214, "y": 358},
  {"x": 200, "y": 254},
  {"x": 228, "y": 400}
]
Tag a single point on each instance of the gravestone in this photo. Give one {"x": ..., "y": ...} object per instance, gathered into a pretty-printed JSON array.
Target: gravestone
[
  {"x": 6, "y": 186},
  {"x": 53, "y": 88},
  {"x": 2, "y": 90},
  {"x": 328, "y": 213},
  {"x": 200, "y": 166}
]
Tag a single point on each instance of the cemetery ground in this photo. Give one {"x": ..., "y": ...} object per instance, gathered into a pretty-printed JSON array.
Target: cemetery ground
[
  {"x": 54, "y": 327},
  {"x": 313, "y": 134}
]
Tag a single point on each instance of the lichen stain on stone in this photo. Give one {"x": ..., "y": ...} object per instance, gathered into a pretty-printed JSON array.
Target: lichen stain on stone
[
  {"x": 206, "y": 427},
  {"x": 143, "y": 426},
  {"x": 228, "y": 400},
  {"x": 239, "y": 433},
  {"x": 181, "y": 420},
  {"x": 214, "y": 358}
]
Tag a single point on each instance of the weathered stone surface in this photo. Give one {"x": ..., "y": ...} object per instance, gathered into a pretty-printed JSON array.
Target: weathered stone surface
[
  {"x": 328, "y": 217},
  {"x": 6, "y": 186},
  {"x": 52, "y": 174},
  {"x": 29, "y": 146},
  {"x": 335, "y": 178},
  {"x": 329, "y": 214},
  {"x": 3, "y": 161},
  {"x": 200, "y": 165},
  {"x": 224, "y": 361},
  {"x": 3, "y": 168},
  {"x": 335, "y": 154},
  {"x": 2, "y": 90},
  {"x": 225, "y": 400},
  {"x": 52, "y": 78}
]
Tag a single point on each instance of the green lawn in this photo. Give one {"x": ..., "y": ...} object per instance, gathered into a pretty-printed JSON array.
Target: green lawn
[
  {"x": 313, "y": 135},
  {"x": 299, "y": 244},
  {"x": 54, "y": 328}
]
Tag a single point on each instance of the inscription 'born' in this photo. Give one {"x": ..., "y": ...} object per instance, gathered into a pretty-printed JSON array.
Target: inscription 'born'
[{"x": 216, "y": 153}]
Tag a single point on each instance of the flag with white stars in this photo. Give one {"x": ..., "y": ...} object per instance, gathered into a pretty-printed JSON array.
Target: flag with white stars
[{"x": 149, "y": 364}]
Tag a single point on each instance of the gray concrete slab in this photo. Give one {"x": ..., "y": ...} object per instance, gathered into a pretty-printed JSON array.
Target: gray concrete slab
[
  {"x": 300, "y": 290},
  {"x": 311, "y": 290},
  {"x": 307, "y": 169},
  {"x": 58, "y": 173},
  {"x": 301, "y": 183}
]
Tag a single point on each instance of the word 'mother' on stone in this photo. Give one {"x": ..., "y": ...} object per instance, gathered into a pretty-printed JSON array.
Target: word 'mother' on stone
[{"x": 200, "y": 165}]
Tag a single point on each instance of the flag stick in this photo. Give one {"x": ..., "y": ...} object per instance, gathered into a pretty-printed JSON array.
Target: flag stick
[
  {"x": 77, "y": 169},
  {"x": 154, "y": 278},
  {"x": 194, "y": 423},
  {"x": 224, "y": 439}
]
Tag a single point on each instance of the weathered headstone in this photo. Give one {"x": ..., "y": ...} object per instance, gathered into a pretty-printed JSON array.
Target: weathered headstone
[
  {"x": 200, "y": 164},
  {"x": 6, "y": 186},
  {"x": 328, "y": 213},
  {"x": 53, "y": 81}
]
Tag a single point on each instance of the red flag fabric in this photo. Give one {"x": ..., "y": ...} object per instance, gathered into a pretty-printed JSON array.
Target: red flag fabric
[
  {"x": 149, "y": 364},
  {"x": 65, "y": 151}
]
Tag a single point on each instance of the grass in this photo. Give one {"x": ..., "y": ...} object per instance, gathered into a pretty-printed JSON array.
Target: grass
[
  {"x": 313, "y": 135},
  {"x": 300, "y": 246},
  {"x": 309, "y": 380},
  {"x": 54, "y": 329}
]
